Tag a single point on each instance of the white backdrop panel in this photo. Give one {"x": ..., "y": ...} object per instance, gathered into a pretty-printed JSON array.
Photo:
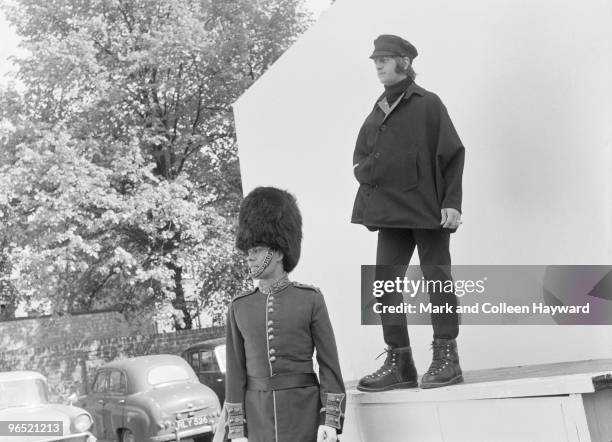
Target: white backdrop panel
[{"x": 527, "y": 84}]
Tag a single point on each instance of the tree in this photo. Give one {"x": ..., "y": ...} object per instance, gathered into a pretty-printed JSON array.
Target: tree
[{"x": 119, "y": 177}]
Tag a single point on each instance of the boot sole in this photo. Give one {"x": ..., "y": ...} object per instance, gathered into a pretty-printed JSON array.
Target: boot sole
[
  {"x": 401, "y": 385},
  {"x": 453, "y": 381}
]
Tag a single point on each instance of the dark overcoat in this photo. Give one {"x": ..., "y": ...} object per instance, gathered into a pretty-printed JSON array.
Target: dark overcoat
[
  {"x": 272, "y": 393},
  {"x": 409, "y": 164}
]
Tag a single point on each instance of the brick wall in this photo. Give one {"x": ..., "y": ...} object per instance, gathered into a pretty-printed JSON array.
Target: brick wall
[
  {"x": 68, "y": 351},
  {"x": 51, "y": 330}
]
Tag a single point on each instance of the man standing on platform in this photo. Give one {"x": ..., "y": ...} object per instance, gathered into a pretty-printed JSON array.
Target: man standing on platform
[{"x": 408, "y": 161}]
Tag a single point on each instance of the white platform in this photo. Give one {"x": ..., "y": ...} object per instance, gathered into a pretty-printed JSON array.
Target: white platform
[{"x": 552, "y": 402}]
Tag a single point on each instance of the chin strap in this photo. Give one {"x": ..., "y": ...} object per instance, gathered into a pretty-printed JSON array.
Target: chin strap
[{"x": 263, "y": 265}]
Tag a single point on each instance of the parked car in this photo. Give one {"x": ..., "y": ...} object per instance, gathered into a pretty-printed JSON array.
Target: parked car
[
  {"x": 24, "y": 397},
  {"x": 153, "y": 398},
  {"x": 207, "y": 358}
]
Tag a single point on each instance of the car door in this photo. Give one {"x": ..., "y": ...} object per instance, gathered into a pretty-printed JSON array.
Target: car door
[
  {"x": 114, "y": 404},
  {"x": 95, "y": 402},
  {"x": 211, "y": 373}
]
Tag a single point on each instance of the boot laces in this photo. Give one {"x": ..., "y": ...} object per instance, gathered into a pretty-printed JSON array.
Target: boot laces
[
  {"x": 441, "y": 358},
  {"x": 389, "y": 363}
]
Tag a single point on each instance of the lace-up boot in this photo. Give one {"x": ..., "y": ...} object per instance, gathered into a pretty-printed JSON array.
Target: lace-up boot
[
  {"x": 398, "y": 371},
  {"x": 444, "y": 369}
]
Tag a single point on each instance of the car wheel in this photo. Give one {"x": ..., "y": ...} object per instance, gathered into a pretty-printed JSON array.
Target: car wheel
[{"x": 127, "y": 436}]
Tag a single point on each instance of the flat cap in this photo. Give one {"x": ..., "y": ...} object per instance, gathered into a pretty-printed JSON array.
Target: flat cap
[{"x": 388, "y": 45}]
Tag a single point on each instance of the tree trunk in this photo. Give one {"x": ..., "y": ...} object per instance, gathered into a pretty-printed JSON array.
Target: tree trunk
[{"x": 179, "y": 302}]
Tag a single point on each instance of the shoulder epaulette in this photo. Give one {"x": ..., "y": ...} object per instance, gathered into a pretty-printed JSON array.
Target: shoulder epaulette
[
  {"x": 306, "y": 286},
  {"x": 245, "y": 293}
]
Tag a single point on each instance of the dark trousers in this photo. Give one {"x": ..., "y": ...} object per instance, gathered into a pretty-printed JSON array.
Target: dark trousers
[{"x": 395, "y": 248}]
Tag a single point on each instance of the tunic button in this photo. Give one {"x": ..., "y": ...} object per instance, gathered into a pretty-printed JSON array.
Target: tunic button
[
  {"x": 270, "y": 337},
  {"x": 271, "y": 298},
  {"x": 270, "y": 322},
  {"x": 270, "y": 310},
  {"x": 272, "y": 358},
  {"x": 383, "y": 127},
  {"x": 377, "y": 155},
  {"x": 270, "y": 304},
  {"x": 272, "y": 351},
  {"x": 270, "y": 330}
]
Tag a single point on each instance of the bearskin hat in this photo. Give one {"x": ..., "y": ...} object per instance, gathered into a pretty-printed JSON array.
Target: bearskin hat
[{"x": 271, "y": 217}]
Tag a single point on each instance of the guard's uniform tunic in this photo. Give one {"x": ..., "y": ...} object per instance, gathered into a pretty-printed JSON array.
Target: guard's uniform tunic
[{"x": 272, "y": 393}]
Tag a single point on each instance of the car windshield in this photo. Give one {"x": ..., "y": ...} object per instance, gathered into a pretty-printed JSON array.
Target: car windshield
[
  {"x": 23, "y": 392},
  {"x": 167, "y": 373},
  {"x": 220, "y": 352}
]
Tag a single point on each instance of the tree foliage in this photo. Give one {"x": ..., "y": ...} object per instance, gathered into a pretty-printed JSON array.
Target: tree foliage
[{"x": 119, "y": 178}]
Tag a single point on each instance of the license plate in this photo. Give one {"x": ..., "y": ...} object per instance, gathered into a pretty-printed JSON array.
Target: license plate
[{"x": 191, "y": 422}]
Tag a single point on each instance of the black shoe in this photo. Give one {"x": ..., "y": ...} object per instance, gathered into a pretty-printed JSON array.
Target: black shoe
[
  {"x": 398, "y": 371},
  {"x": 444, "y": 369}
]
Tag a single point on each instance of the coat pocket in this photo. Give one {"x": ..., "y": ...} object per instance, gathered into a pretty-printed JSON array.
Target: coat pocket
[
  {"x": 362, "y": 171},
  {"x": 355, "y": 171},
  {"x": 410, "y": 171}
]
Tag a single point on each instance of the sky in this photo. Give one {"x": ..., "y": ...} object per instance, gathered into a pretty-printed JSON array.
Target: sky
[
  {"x": 8, "y": 47},
  {"x": 9, "y": 40}
]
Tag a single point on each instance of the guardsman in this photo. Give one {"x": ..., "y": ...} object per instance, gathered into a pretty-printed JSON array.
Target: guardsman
[
  {"x": 408, "y": 161},
  {"x": 272, "y": 391}
]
